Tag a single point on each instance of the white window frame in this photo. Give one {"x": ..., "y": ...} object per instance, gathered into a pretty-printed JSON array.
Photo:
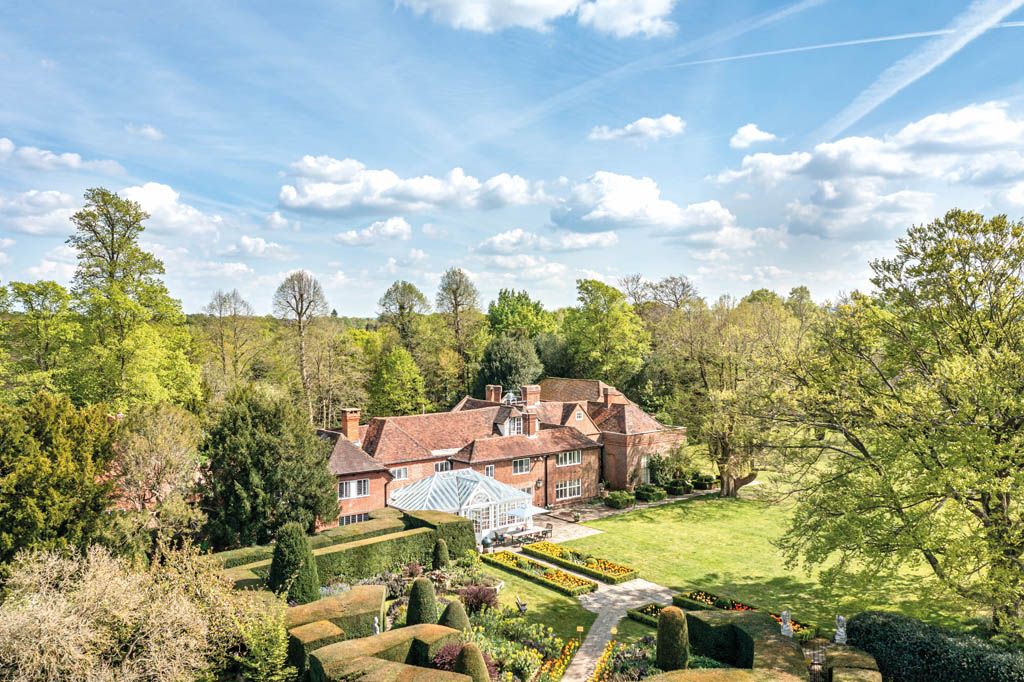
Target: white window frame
[
  {"x": 348, "y": 487},
  {"x": 353, "y": 518},
  {"x": 446, "y": 465},
  {"x": 579, "y": 415},
  {"x": 489, "y": 470},
  {"x": 517, "y": 463},
  {"x": 570, "y": 458},
  {"x": 399, "y": 473},
  {"x": 528, "y": 490},
  {"x": 515, "y": 426},
  {"x": 568, "y": 490}
]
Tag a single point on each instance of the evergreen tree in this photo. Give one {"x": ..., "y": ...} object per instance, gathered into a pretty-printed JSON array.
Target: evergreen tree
[
  {"x": 395, "y": 386},
  {"x": 422, "y": 603},
  {"x": 471, "y": 662},
  {"x": 265, "y": 467},
  {"x": 673, "y": 647},
  {"x": 441, "y": 560},
  {"x": 454, "y": 616},
  {"x": 293, "y": 562},
  {"x": 509, "y": 361}
]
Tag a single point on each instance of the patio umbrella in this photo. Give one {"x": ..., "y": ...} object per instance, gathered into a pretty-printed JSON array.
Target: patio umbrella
[{"x": 528, "y": 510}]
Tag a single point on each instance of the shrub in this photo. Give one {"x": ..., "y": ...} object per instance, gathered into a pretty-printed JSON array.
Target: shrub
[
  {"x": 414, "y": 569},
  {"x": 673, "y": 639},
  {"x": 649, "y": 493},
  {"x": 293, "y": 565},
  {"x": 471, "y": 662},
  {"x": 476, "y": 597},
  {"x": 449, "y": 654},
  {"x": 908, "y": 650},
  {"x": 454, "y": 616},
  {"x": 456, "y": 531},
  {"x": 422, "y": 603},
  {"x": 373, "y": 556},
  {"x": 619, "y": 499},
  {"x": 679, "y": 487},
  {"x": 441, "y": 561}
]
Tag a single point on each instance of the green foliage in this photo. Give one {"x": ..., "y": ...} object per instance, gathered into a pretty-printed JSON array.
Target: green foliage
[
  {"x": 373, "y": 556},
  {"x": 509, "y": 361},
  {"x": 649, "y": 493},
  {"x": 762, "y": 297},
  {"x": 514, "y": 313},
  {"x": 471, "y": 662},
  {"x": 422, "y": 603},
  {"x": 54, "y": 491},
  {"x": 40, "y": 340},
  {"x": 264, "y": 656},
  {"x": 265, "y": 467},
  {"x": 395, "y": 386},
  {"x": 908, "y": 650},
  {"x": 619, "y": 499},
  {"x": 605, "y": 338},
  {"x": 456, "y": 531},
  {"x": 304, "y": 639},
  {"x": 401, "y": 307},
  {"x": 293, "y": 566},
  {"x": 441, "y": 560},
  {"x": 351, "y": 610},
  {"x": 673, "y": 639},
  {"x": 454, "y": 616}
]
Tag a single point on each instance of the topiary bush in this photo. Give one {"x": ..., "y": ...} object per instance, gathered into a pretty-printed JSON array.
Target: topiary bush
[
  {"x": 471, "y": 662},
  {"x": 649, "y": 493},
  {"x": 441, "y": 560},
  {"x": 619, "y": 499},
  {"x": 673, "y": 648},
  {"x": 455, "y": 617},
  {"x": 908, "y": 650},
  {"x": 422, "y": 603},
  {"x": 293, "y": 557}
]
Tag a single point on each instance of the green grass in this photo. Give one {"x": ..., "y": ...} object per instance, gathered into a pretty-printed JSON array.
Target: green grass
[
  {"x": 629, "y": 630},
  {"x": 724, "y": 546},
  {"x": 561, "y": 612}
]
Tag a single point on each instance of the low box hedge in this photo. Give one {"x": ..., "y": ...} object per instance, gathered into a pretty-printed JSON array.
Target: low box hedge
[
  {"x": 455, "y": 530},
  {"x": 908, "y": 650},
  {"x": 649, "y": 493},
  {"x": 571, "y": 590},
  {"x": 679, "y": 488},
  {"x": 306, "y": 638},
  {"x": 536, "y": 549},
  {"x": 687, "y": 604},
  {"x": 641, "y": 615},
  {"x": 619, "y": 499}
]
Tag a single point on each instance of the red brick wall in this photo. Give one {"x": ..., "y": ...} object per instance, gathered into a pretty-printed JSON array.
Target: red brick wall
[
  {"x": 588, "y": 470},
  {"x": 359, "y": 505},
  {"x": 623, "y": 454},
  {"x": 417, "y": 470}
]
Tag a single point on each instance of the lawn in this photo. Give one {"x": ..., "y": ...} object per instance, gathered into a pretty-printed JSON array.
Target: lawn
[
  {"x": 561, "y": 612},
  {"x": 629, "y": 630},
  {"x": 724, "y": 546}
]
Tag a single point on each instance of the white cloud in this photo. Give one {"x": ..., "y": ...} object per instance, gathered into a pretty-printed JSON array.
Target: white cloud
[
  {"x": 621, "y": 18},
  {"x": 392, "y": 228},
  {"x": 147, "y": 131},
  {"x": 347, "y": 187},
  {"x": 169, "y": 215},
  {"x": 394, "y": 266},
  {"x": 57, "y": 264},
  {"x": 43, "y": 159},
  {"x": 765, "y": 168},
  {"x": 609, "y": 199},
  {"x": 517, "y": 240},
  {"x": 257, "y": 247},
  {"x": 435, "y": 231},
  {"x": 644, "y": 129},
  {"x": 1015, "y": 195},
  {"x": 276, "y": 221},
  {"x": 857, "y": 208},
  {"x": 38, "y": 212},
  {"x": 748, "y": 135}
]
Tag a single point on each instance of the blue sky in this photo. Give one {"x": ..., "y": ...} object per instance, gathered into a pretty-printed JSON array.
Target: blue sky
[{"x": 530, "y": 142}]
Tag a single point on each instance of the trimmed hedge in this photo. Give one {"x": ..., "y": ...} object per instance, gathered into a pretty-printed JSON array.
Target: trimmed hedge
[
  {"x": 649, "y": 493},
  {"x": 580, "y": 568},
  {"x": 639, "y": 616},
  {"x": 455, "y": 617},
  {"x": 353, "y": 610},
  {"x": 456, "y": 531},
  {"x": 371, "y": 669},
  {"x": 673, "y": 643},
  {"x": 539, "y": 579},
  {"x": 679, "y": 488},
  {"x": 306, "y": 638},
  {"x": 725, "y": 675},
  {"x": 471, "y": 662},
  {"x": 745, "y": 639},
  {"x": 619, "y": 499},
  {"x": 293, "y": 565},
  {"x": 372, "y": 556},
  {"x": 414, "y": 644},
  {"x": 690, "y": 604},
  {"x": 908, "y": 650},
  {"x": 422, "y": 603}
]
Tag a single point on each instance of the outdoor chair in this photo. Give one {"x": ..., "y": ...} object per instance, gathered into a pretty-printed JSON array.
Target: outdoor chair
[{"x": 521, "y": 605}]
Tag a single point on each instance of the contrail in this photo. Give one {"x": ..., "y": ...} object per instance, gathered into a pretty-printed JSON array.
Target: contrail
[{"x": 979, "y": 17}]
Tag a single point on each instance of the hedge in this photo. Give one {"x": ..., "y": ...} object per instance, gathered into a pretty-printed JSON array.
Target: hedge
[
  {"x": 908, "y": 650},
  {"x": 306, "y": 638},
  {"x": 725, "y": 675},
  {"x": 679, "y": 488},
  {"x": 690, "y": 604},
  {"x": 456, "y": 531},
  {"x": 619, "y": 499},
  {"x": 801, "y": 630},
  {"x": 353, "y": 610},
  {"x": 612, "y": 579},
  {"x": 639, "y": 616},
  {"x": 372, "y": 556},
  {"x": 649, "y": 493},
  {"x": 572, "y": 591},
  {"x": 745, "y": 639},
  {"x": 413, "y": 644}
]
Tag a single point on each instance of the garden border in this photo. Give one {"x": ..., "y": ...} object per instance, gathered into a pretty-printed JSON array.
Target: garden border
[
  {"x": 539, "y": 579},
  {"x": 578, "y": 568}
]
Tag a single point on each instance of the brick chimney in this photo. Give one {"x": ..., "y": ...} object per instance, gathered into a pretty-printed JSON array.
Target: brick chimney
[
  {"x": 492, "y": 393},
  {"x": 350, "y": 423},
  {"x": 531, "y": 394},
  {"x": 531, "y": 424},
  {"x": 613, "y": 397}
]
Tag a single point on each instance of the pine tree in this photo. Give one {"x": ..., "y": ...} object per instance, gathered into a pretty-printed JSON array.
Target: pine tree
[
  {"x": 422, "y": 603},
  {"x": 293, "y": 562}
]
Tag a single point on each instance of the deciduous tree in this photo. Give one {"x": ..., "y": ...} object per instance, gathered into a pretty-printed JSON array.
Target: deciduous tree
[
  {"x": 401, "y": 307},
  {"x": 300, "y": 299},
  {"x": 606, "y": 339},
  {"x": 395, "y": 386}
]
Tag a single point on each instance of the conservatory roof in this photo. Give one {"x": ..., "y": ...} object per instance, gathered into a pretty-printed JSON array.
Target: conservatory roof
[{"x": 453, "y": 491}]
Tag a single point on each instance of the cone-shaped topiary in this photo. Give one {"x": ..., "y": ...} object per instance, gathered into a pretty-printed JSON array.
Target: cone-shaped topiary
[
  {"x": 441, "y": 560},
  {"x": 454, "y": 616},
  {"x": 293, "y": 557},
  {"x": 673, "y": 639},
  {"x": 471, "y": 662},
  {"x": 422, "y": 603}
]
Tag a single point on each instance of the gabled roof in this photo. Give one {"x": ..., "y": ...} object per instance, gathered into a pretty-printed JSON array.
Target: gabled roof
[
  {"x": 421, "y": 436},
  {"x": 623, "y": 418},
  {"x": 564, "y": 414},
  {"x": 548, "y": 441},
  {"x": 347, "y": 457},
  {"x": 562, "y": 390},
  {"x": 452, "y": 491}
]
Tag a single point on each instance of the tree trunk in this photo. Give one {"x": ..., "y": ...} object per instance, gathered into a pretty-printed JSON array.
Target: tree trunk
[{"x": 731, "y": 484}]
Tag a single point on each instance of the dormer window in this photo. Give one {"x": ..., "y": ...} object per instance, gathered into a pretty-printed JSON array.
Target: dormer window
[{"x": 515, "y": 426}]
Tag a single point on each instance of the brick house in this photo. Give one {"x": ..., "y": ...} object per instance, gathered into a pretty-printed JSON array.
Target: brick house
[{"x": 555, "y": 441}]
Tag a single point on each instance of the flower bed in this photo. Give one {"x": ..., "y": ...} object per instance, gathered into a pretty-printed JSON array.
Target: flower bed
[
  {"x": 621, "y": 662},
  {"x": 646, "y": 614},
  {"x": 520, "y": 650},
  {"x": 603, "y": 671},
  {"x": 602, "y": 569},
  {"x": 698, "y": 599},
  {"x": 553, "y": 669},
  {"x": 539, "y": 573}
]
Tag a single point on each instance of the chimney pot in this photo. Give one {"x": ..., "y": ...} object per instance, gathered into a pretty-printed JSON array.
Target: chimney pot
[
  {"x": 350, "y": 423},
  {"x": 492, "y": 393}
]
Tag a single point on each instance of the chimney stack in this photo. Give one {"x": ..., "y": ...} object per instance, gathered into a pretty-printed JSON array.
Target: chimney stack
[
  {"x": 350, "y": 423},
  {"x": 492, "y": 393},
  {"x": 531, "y": 424},
  {"x": 531, "y": 394},
  {"x": 613, "y": 397}
]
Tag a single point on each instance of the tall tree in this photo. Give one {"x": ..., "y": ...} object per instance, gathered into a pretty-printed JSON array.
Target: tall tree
[
  {"x": 606, "y": 339},
  {"x": 458, "y": 303},
  {"x": 265, "y": 467},
  {"x": 401, "y": 307},
  {"x": 40, "y": 339},
  {"x": 395, "y": 386},
  {"x": 300, "y": 298},
  {"x": 909, "y": 406},
  {"x": 673, "y": 292},
  {"x": 509, "y": 361},
  {"x": 514, "y": 312},
  {"x": 136, "y": 347},
  {"x": 233, "y": 332}
]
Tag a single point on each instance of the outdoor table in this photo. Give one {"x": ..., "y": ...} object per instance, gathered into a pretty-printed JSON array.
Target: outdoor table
[{"x": 525, "y": 533}]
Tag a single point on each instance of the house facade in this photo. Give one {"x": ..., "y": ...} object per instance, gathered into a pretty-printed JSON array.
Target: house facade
[{"x": 555, "y": 441}]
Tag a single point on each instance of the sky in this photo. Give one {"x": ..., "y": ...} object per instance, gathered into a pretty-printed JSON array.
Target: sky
[{"x": 529, "y": 142}]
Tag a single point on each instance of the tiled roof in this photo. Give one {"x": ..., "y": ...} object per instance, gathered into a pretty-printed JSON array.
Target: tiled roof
[
  {"x": 347, "y": 457},
  {"x": 571, "y": 390},
  {"x": 399, "y": 439},
  {"x": 471, "y": 403},
  {"x": 623, "y": 418},
  {"x": 548, "y": 441},
  {"x": 451, "y": 491}
]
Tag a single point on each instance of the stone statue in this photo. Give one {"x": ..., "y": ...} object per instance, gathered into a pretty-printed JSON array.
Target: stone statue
[
  {"x": 840, "y": 630},
  {"x": 376, "y": 625},
  {"x": 787, "y": 624}
]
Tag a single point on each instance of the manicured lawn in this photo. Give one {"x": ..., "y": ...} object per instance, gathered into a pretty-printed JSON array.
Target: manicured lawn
[
  {"x": 561, "y": 612},
  {"x": 724, "y": 546},
  {"x": 629, "y": 630}
]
